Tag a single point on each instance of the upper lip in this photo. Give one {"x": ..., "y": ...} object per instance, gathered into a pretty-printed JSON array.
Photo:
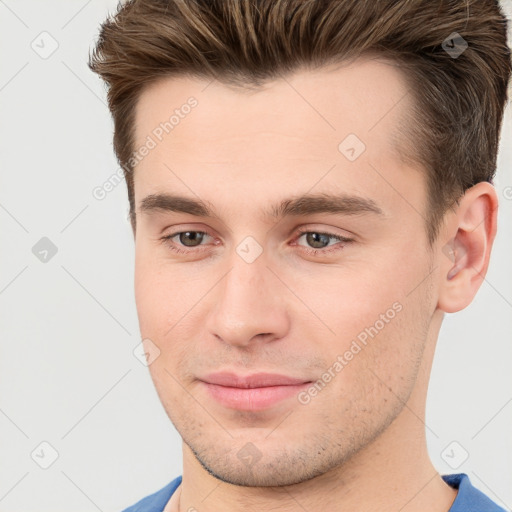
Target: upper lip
[{"x": 256, "y": 380}]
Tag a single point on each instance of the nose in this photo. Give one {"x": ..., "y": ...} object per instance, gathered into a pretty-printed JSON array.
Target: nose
[{"x": 249, "y": 305}]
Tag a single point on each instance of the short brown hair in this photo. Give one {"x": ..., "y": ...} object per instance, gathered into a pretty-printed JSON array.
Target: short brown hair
[{"x": 458, "y": 99}]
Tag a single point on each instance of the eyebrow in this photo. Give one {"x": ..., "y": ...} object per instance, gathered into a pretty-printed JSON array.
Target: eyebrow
[{"x": 309, "y": 204}]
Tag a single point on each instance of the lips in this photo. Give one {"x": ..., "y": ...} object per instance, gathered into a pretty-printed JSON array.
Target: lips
[{"x": 255, "y": 392}]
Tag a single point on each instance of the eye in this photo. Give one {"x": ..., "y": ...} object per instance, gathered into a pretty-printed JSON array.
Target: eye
[
  {"x": 188, "y": 239},
  {"x": 318, "y": 241}
]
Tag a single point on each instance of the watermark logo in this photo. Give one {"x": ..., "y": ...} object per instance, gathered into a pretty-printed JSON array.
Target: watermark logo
[
  {"x": 44, "y": 455},
  {"x": 249, "y": 454},
  {"x": 454, "y": 45},
  {"x": 146, "y": 352},
  {"x": 45, "y": 45},
  {"x": 44, "y": 250},
  {"x": 351, "y": 147},
  {"x": 249, "y": 249},
  {"x": 455, "y": 455}
]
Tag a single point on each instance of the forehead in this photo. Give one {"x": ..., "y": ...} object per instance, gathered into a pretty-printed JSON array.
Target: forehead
[
  {"x": 290, "y": 132},
  {"x": 354, "y": 97}
]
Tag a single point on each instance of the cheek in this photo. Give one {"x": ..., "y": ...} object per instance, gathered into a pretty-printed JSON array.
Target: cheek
[
  {"x": 350, "y": 301},
  {"x": 169, "y": 298},
  {"x": 376, "y": 298},
  {"x": 376, "y": 324},
  {"x": 155, "y": 297},
  {"x": 371, "y": 373},
  {"x": 146, "y": 296}
]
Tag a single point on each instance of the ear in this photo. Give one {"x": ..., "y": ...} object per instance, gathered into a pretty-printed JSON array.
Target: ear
[{"x": 466, "y": 247}]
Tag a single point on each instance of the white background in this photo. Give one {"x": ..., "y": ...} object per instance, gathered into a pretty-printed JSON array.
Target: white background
[{"x": 69, "y": 327}]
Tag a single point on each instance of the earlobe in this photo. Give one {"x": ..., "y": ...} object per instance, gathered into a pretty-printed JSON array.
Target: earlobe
[{"x": 465, "y": 254}]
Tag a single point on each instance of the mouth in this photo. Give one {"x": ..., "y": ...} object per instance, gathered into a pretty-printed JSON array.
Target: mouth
[{"x": 255, "y": 392}]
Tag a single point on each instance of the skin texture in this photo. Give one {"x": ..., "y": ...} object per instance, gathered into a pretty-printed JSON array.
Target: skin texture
[{"x": 359, "y": 444}]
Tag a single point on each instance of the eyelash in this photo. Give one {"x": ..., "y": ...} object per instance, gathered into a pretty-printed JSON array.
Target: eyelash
[{"x": 314, "y": 252}]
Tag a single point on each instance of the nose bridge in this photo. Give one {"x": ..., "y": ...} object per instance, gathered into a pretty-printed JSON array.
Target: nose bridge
[{"x": 246, "y": 303}]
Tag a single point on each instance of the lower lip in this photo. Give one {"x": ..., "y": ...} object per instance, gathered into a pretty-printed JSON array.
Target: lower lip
[{"x": 253, "y": 399}]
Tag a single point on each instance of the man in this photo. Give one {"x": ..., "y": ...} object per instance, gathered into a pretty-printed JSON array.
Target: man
[{"x": 310, "y": 188}]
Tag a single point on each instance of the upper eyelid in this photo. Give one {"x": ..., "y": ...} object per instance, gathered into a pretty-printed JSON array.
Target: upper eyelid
[
  {"x": 298, "y": 229},
  {"x": 176, "y": 233},
  {"x": 301, "y": 232}
]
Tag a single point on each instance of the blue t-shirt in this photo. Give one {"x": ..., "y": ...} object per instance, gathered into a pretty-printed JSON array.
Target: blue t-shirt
[{"x": 468, "y": 499}]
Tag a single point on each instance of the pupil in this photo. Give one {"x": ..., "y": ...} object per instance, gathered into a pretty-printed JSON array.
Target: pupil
[{"x": 195, "y": 236}]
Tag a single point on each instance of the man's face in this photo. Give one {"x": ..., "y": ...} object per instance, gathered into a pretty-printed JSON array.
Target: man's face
[{"x": 252, "y": 295}]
